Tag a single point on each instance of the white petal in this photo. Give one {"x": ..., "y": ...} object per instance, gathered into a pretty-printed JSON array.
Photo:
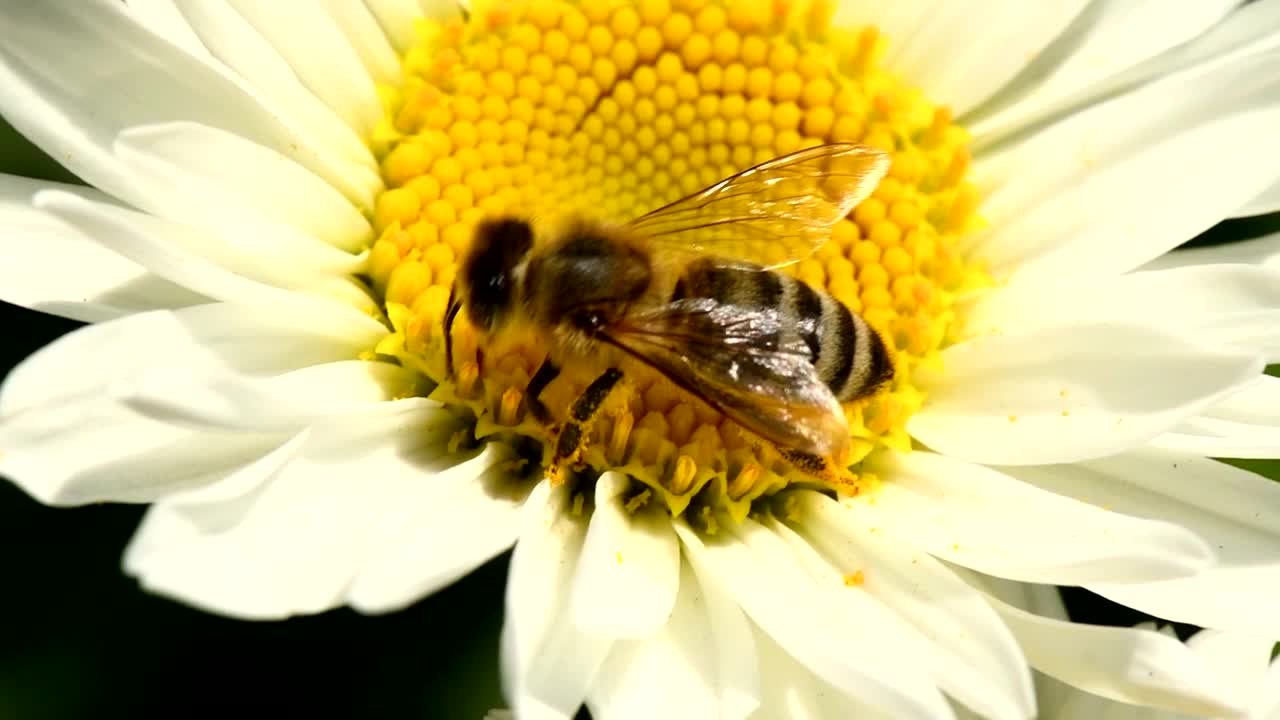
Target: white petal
[
  {"x": 76, "y": 75},
  {"x": 1251, "y": 29},
  {"x": 242, "y": 48},
  {"x": 208, "y": 398},
  {"x": 318, "y": 52},
  {"x": 397, "y": 18},
  {"x": 367, "y": 39},
  {"x": 736, "y": 659},
  {"x": 980, "y": 518},
  {"x": 815, "y": 628},
  {"x": 1267, "y": 705},
  {"x": 973, "y": 656},
  {"x": 1268, "y": 201},
  {"x": 247, "y": 339},
  {"x": 291, "y": 541},
  {"x": 1089, "y": 59},
  {"x": 50, "y": 266},
  {"x": 164, "y": 19},
  {"x": 1246, "y": 424},
  {"x": 1063, "y": 201},
  {"x": 1255, "y": 251},
  {"x": 190, "y": 257},
  {"x": 441, "y": 529},
  {"x": 247, "y": 193},
  {"x": 629, "y": 572},
  {"x": 1042, "y": 600},
  {"x": 1125, "y": 664},
  {"x": 547, "y": 664},
  {"x": 1070, "y": 392},
  {"x": 1221, "y": 439},
  {"x": 670, "y": 674},
  {"x": 792, "y": 691},
  {"x": 81, "y": 450},
  {"x": 1240, "y": 660},
  {"x": 67, "y": 438},
  {"x": 961, "y": 52},
  {"x": 1237, "y": 513},
  {"x": 1235, "y": 305}
]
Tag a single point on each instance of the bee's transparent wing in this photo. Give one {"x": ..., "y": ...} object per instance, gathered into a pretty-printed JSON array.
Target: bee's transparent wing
[
  {"x": 737, "y": 360},
  {"x": 775, "y": 213}
]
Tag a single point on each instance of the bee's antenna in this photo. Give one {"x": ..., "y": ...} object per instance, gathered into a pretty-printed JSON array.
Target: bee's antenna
[{"x": 449, "y": 316}]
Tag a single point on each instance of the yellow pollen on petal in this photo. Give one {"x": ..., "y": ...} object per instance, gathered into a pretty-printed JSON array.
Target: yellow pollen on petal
[{"x": 549, "y": 109}]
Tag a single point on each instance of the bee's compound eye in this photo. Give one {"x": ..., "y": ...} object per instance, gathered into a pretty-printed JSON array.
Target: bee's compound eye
[{"x": 497, "y": 248}]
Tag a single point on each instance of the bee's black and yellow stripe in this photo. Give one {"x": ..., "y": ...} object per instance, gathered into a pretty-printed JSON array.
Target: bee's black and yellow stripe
[{"x": 848, "y": 356}]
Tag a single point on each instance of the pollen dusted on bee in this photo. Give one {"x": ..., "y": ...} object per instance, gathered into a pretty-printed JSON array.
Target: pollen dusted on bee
[{"x": 548, "y": 108}]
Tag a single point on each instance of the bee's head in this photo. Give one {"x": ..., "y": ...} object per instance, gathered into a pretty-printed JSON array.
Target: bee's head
[{"x": 486, "y": 279}]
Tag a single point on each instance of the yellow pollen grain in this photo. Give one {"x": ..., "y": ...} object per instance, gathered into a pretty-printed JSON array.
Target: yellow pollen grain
[{"x": 548, "y": 109}]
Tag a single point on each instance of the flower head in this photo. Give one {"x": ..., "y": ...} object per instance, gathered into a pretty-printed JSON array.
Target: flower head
[{"x": 284, "y": 194}]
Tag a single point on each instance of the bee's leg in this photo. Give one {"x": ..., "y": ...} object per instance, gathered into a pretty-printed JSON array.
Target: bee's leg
[
  {"x": 826, "y": 469},
  {"x": 451, "y": 314},
  {"x": 573, "y": 432},
  {"x": 542, "y": 377}
]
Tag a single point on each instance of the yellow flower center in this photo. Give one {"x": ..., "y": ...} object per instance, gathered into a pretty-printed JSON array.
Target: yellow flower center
[{"x": 549, "y": 109}]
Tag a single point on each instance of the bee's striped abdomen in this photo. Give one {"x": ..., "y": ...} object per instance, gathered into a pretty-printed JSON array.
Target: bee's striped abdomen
[{"x": 846, "y": 353}]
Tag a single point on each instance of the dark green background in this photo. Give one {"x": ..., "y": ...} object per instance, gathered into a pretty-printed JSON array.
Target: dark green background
[{"x": 79, "y": 639}]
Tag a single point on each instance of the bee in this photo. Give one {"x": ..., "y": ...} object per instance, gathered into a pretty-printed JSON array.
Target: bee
[{"x": 692, "y": 290}]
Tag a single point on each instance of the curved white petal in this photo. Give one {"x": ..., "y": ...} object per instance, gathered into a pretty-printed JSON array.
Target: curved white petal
[
  {"x": 1255, "y": 251},
  {"x": 1267, "y": 705},
  {"x": 977, "y": 517},
  {"x": 1252, "y": 29},
  {"x": 442, "y": 528},
  {"x": 1239, "y": 659},
  {"x": 1043, "y": 600},
  {"x": 244, "y": 338},
  {"x": 165, "y": 20},
  {"x": 547, "y": 663},
  {"x": 190, "y": 257},
  {"x": 628, "y": 576},
  {"x": 443, "y": 531},
  {"x": 89, "y": 449},
  {"x": 1070, "y": 392},
  {"x": 961, "y": 52},
  {"x": 1268, "y": 201},
  {"x": 77, "y": 74},
  {"x": 287, "y": 535},
  {"x": 670, "y": 674},
  {"x": 1089, "y": 59},
  {"x": 397, "y": 18},
  {"x": 367, "y": 39},
  {"x": 1216, "y": 304},
  {"x": 67, "y": 437},
  {"x": 249, "y": 194},
  {"x": 816, "y": 627},
  {"x": 1062, "y": 202},
  {"x": 792, "y": 691},
  {"x": 50, "y": 266},
  {"x": 232, "y": 401},
  {"x": 317, "y": 51},
  {"x": 736, "y": 657},
  {"x": 1126, "y": 664},
  {"x": 238, "y": 46},
  {"x": 1237, "y": 513},
  {"x": 971, "y": 653},
  {"x": 1246, "y": 424},
  {"x": 1210, "y": 437}
]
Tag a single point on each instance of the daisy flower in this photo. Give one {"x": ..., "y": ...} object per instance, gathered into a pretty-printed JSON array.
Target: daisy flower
[{"x": 279, "y": 194}]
